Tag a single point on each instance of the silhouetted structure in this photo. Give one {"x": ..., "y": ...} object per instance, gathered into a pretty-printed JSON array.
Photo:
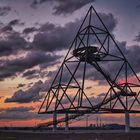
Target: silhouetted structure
[{"x": 93, "y": 48}]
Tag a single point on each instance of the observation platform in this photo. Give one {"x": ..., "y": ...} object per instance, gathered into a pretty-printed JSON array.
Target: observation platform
[{"x": 90, "y": 53}]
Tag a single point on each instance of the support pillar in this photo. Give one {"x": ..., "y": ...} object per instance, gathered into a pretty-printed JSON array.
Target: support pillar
[
  {"x": 87, "y": 121},
  {"x": 66, "y": 122},
  {"x": 54, "y": 121},
  {"x": 127, "y": 122}
]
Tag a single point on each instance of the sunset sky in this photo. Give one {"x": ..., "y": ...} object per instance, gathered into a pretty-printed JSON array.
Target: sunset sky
[{"x": 34, "y": 37}]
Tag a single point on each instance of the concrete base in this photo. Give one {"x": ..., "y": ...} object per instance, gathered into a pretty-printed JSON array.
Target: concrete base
[
  {"x": 66, "y": 123},
  {"x": 54, "y": 121},
  {"x": 127, "y": 122}
]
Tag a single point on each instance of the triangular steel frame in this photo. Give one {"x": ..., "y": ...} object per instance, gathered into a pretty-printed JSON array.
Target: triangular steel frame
[{"x": 93, "y": 45}]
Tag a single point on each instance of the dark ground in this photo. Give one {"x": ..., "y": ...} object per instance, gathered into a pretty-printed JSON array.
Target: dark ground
[{"x": 71, "y": 135}]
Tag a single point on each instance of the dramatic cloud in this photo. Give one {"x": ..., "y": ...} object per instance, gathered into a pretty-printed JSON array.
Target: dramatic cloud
[
  {"x": 17, "y": 109},
  {"x": 6, "y": 29},
  {"x": 89, "y": 87},
  {"x": 30, "y": 74},
  {"x": 5, "y": 10},
  {"x": 21, "y": 85},
  {"x": 29, "y": 30},
  {"x": 49, "y": 38},
  {"x": 63, "y": 6},
  {"x": 11, "y": 67},
  {"x": 15, "y": 22},
  {"x": 20, "y": 113},
  {"x": 34, "y": 4},
  {"x": 33, "y": 94},
  {"x": 11, "y": 42},
  {"x": 133, "y": 56},
  {"x": 137, "y": 38},
  {"x": 52, "y": 37}
]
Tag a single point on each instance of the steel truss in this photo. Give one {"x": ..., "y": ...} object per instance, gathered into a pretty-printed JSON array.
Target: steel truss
[{"x": 95, "y": 47}]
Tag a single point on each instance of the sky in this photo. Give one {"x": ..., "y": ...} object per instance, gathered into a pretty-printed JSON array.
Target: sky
[{"x": 34, "y": 37}]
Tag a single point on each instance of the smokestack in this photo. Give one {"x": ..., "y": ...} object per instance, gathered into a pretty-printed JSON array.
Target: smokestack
[{"x": 97, "y": 122}]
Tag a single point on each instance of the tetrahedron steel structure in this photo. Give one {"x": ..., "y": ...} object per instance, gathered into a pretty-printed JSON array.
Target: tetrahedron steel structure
[{"x": 94, "y": 49}]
